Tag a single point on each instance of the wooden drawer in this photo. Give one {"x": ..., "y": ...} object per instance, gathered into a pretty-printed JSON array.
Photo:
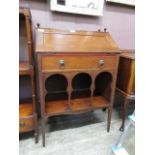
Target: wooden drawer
[
  {"x": 78, "y": 62},
  {"x": 26, "y": 124}
]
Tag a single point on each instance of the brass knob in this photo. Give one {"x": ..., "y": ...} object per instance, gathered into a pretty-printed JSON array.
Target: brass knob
[
  {"x": 62, "y": 63},
  {"x": 101, "y": 62},
  {"x": 22, "y": 124}
]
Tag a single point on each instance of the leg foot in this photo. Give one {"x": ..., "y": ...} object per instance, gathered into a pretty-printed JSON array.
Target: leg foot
[
  {"x": 109, "y": 118},
  {"x": 36, "y": 129},
  {"x": 43, "y": 132},
  {"x": 124, "y": 109},
  {"x": 43, "y": 144},
  {"x": 36, "y": 137},
  {"x": 121, "y": 129}
]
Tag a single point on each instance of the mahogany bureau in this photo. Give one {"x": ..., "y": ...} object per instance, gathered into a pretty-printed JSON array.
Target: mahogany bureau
[
  {"x": 126, "y": 80},
  {"x": 77, "y": 72}
]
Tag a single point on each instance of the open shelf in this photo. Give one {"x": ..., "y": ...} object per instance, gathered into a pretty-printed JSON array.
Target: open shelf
[
  {"x": 56, "y": 83},
  {"x": 77, "y": 105},
  {"x": 25, "y": 89},
  {"x": 57, "y": 97},
  {"x": 56, "y": 107},
  {"x": 103, "y": 85},
  {"x": 23, "y": 48},
  {"x": 80, "y": 104},
  {"x": 86, "y": 104},
  {"x": 81, "y": 81},
  {"x": 25, "y": 109},
  {"x": 99, "y": 102},
  {"x": 83, "y": 93},
  {"x": 24, "y": 68}
]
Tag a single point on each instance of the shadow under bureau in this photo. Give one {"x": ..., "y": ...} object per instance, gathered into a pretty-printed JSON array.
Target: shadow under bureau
[{"x": 77, "y": 72}]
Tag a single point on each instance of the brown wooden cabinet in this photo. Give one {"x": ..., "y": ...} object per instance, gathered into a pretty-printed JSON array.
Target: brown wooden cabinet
[
  {"x": 77, "y": 72},
  {"x": 27, "y": 105},
  {"x": 126, "y": 80}
]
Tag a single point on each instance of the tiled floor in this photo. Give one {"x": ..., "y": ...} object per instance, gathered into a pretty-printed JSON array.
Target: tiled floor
[{"x": 83, "y": 134}]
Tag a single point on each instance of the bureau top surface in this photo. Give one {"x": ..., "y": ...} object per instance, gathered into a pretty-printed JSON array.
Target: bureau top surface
[
  {"x": 24, "y": 11},
  {"x": 53, "y": 40}
]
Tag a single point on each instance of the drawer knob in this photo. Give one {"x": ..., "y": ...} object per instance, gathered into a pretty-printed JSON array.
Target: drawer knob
[
  {"x": 61, "y": 63},
  {"x": 101, "y": 62},
  {"x": 22, "y": 124}
]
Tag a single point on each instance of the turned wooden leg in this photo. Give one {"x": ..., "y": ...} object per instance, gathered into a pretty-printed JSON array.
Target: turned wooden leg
[
  {"x": 124, "y": 110},
  {"x": 43, "y": 131},
  {"x": 36, "y": 137},
  {"x": 109, "y": 118},
  {"x": 36, "y": 129}
]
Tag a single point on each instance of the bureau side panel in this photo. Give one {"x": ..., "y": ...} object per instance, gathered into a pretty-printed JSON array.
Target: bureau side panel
[{"x": 123, "y": 74}]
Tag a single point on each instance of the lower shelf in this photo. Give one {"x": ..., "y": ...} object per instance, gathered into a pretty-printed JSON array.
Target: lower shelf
[
  {"x": 100, "y": 102},
  {"x": 77, "y": 105},
  {"x": 80, "y": 104},
  {"x": 56, "y": 107},
  {"x": 24, "y": 68},
  {"x": 25, "y": 109}
]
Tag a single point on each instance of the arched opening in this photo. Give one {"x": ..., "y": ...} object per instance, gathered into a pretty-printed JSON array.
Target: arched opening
[
  {"x": 56, "y": 82},
  {"x": 81, "y": 85},
  {"x": 103, "y": 85},
  {"x": 56, "y": 86},
  {"x": 81, "y": 81}
]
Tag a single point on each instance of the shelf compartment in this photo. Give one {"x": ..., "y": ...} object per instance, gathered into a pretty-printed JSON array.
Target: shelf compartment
[
  {"x": 25, "y": 109},
  {"x": 56, "y": 96},
  {"x": 86, "y": 104},
  {"x": 81, "y": 104},
  {"x": 56, "y": 107},
  {"x": 55, "y": 83},
  {"x": 103, "y": 83},
  {"x": 25, "y": 89},
  {"x": 23, "y": 33},
  {"x": 24, "y": 68},
  {"x": 100, "y": 102},
  {"x": 77, "y": 105},
  {"x": 81, "y": 81},
  {"x": 77, "y": 94}
]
